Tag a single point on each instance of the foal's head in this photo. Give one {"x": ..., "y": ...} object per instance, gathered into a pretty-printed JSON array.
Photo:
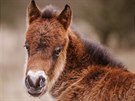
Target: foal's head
[{"x": 46, "y": 44}]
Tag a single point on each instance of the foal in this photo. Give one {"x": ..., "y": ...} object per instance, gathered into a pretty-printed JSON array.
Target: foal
[{"x": 68, "y": 67}]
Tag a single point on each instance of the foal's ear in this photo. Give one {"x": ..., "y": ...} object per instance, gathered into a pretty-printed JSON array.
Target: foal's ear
[
  {"x": 33, "y": 11},
  {"x": 65, "y": 16}
]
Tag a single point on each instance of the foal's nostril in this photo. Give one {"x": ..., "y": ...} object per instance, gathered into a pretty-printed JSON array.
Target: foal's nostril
[
  {"x": 41, "y": 81},
  {"x": 35, "y": 83},
  {"x": 28, "y": 82}
]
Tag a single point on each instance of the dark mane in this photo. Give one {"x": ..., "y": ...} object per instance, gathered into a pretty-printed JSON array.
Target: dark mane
[
  {"x": 50, "y": 12},
  {"x": 98, "y": 53}
]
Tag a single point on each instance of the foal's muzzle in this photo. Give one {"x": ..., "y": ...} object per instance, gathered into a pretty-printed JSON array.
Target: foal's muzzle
[{"x": 35, "y": 83}]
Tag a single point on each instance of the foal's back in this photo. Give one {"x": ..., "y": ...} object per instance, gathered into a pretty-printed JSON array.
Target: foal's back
[{"x": 102, "y": 84}]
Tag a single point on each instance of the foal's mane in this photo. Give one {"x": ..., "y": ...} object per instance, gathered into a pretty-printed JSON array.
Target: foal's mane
[
  {"x": 50, "y": 12},
  {"x": 101, "y": 56},
  {"x": 97, "y": 52}
]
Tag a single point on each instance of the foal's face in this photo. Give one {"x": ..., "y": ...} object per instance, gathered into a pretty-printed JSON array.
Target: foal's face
[{"x": 46, "y": 44}]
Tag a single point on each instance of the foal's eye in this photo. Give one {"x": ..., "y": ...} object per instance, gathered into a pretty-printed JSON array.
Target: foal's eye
[
  {"x": 26, "y": 46},
  {"x": 57, "y": 51}
]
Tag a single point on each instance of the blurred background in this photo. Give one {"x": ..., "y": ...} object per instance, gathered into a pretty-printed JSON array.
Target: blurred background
[{"x": 110, "y": 22}]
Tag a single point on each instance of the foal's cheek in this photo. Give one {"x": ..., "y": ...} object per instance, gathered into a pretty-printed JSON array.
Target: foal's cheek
[
  {"x": 48, "y": 66},
  {"x": 26, "y": 62}
]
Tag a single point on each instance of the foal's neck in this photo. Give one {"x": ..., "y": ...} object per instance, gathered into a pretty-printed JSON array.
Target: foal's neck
[
  {"x": 82, "y": 53},
  {"x": 76, "y": 53}
]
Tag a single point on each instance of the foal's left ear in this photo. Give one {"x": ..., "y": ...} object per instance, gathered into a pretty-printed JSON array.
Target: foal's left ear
[
  {"x": 33, "y": 11},
  {"x": 65, "y": 16}
]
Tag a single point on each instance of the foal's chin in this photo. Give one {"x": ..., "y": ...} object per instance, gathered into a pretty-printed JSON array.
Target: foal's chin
[{"x": 37, "y": 93}]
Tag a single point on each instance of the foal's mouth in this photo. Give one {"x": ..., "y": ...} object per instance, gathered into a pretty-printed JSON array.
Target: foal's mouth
[{"x": 36, "y": 93}]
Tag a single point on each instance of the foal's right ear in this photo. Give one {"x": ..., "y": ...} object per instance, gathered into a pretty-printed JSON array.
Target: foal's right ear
[
  {"x": 65, "y": 16},
  {"x": 33, "y": 11}
]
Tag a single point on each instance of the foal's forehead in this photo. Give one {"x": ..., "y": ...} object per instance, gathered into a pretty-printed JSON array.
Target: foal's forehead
[
  {"x": 42, "y": 25},
  {"x": 46, "y": 30}
]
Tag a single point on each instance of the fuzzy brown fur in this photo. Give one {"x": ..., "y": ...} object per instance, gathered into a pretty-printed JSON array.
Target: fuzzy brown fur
[
  {"x": 83, "y": 71},
  {"x": 84, "y": 80}
]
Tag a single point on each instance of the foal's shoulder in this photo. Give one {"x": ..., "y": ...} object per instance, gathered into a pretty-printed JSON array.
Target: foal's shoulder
[{"x": 96, "y": 76}]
